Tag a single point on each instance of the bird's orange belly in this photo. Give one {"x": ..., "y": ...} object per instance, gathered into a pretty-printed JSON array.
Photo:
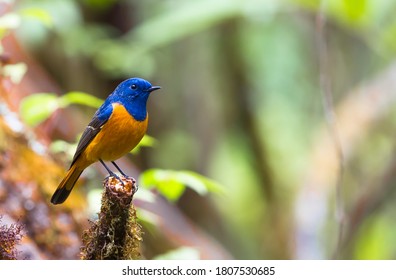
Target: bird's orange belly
[{"x": 118, "y": 136}]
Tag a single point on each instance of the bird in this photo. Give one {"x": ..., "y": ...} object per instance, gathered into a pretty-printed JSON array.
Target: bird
[{"x": 115, "y": 129}]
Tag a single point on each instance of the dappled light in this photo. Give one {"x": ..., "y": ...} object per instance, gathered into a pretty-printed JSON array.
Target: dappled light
[{"x": 272, "y": 136}]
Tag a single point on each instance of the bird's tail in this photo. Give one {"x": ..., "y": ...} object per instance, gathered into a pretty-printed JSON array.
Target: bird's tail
[{"x": 66, "y": 186}]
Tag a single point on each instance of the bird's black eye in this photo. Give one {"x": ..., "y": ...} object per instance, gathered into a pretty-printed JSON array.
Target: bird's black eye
[{"x": 133, "y": 86}]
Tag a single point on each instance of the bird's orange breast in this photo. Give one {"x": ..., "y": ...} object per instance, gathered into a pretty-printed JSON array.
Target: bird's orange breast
[{"x": 118, "y": 136}]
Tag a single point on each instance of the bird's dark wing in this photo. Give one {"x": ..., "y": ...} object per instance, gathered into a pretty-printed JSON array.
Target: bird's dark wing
[{"x": 92, "y": 129}]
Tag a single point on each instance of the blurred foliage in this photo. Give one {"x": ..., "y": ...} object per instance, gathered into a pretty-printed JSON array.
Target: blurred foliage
[
  {"x": 182, "y": 253},
  {"x": 373, "y": 241},
  {"x": 172, "y": 184},
  {"x": 14, "y": 71},
  {"x": 241, "y": 104},
  {"x": 38, "y": 107}
]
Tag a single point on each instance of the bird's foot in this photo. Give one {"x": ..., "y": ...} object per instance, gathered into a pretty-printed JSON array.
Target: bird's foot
[
  {"x": 131, "y": 180},
  {"x": 113, "y": 175},
  {"x": 122, "y": 182}
]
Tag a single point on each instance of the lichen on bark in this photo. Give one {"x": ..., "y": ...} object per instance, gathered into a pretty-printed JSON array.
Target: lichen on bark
[{"x": 116, "y": 235}]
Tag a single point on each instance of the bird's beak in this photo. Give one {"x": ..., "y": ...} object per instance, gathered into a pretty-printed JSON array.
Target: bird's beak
[{"x": 153, "y": 88}]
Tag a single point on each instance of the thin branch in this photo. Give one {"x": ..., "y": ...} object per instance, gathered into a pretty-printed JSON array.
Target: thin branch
[
  {"x": 327, "y": 100},
  {"x": 379, "y": 192}
]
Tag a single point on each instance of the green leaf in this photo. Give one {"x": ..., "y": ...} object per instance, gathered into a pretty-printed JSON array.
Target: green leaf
[
  {"x": 373, "y": 239},
  {"x": 37, "y": 107},
  {"x": 147, "y": 141},
  {"x": 59, "y": 146},
  {"x": 355, "y": 10},
  {"x": 81, "y": 98},
  {"x": 39, "y": 14},
  {"x": 198, "y": 182},
  {"x": 164, "y": 181},
  {"x": 194, "y": 16},
  {"x": 181, "y": 253},
  {"x": 172, "y": 184}
]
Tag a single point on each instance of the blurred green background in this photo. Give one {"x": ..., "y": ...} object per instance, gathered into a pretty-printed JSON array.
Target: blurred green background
[{"x": 288, "y": 105}]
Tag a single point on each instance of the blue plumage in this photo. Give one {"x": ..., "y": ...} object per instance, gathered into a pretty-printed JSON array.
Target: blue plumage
[
  {"x": 133, "y": 94},
  {"x": 116, "y": 128}
]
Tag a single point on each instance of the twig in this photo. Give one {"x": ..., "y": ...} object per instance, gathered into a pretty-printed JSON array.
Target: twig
[
  {"x": 357, "y": 113},
  {"x": 330, "y": 115},
  {"x": 378, "y": 193},
  {"x": 116, "y": 235}
]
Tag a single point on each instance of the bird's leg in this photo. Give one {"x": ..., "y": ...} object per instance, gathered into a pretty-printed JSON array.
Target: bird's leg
[
  {"x": 108, "y": 169},
  {"x": 126, "y": 176},
  {"x": 111, "y": 173},
  {"x": 119, "y": 169}
]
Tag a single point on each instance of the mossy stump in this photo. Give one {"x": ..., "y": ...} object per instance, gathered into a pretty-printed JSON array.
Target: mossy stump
[{"x": 116, "y": 235}]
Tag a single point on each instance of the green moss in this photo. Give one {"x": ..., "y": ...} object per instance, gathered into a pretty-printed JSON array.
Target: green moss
[{"x": 116, "y": 235}]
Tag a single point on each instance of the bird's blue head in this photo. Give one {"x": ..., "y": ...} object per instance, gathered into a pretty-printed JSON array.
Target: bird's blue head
[{"x": 133, "y": 94}]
